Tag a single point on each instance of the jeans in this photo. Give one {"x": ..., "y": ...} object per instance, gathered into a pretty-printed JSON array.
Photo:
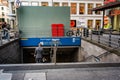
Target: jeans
[{"x": 6, "y": 35}]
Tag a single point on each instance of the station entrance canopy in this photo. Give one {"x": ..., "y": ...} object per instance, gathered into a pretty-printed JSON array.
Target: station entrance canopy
[{"x": 107, "y": 6}]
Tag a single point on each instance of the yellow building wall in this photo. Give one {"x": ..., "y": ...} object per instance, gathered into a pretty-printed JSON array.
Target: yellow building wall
[{"x": 116, "y": 25}]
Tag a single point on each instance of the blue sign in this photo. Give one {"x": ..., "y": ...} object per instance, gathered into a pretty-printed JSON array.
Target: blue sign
[{"x": 57, "y": 41}]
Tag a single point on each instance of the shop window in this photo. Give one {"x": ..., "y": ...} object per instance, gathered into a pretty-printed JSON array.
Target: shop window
[
  {"x": 90, "y": 6},
  {"x": 82, "y": 8},
  {"x": 97, "y": 24},
  {"x": 90, "y": 24},
  {"x": 34, "y": 3},
  {"x": 64, "y": 4},
  {"x": 56, "y": 4},
  {"x": 98, "y": 12},
  {"x": 44, "y": 3},
  {"x": 73, "y": 8}
]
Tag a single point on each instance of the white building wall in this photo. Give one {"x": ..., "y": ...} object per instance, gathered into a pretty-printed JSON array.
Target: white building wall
[
  {"x": 5, "y": 11},
  {"x": 76, "y": 16}
]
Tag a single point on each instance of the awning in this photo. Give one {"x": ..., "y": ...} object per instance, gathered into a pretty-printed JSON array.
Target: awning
[{"x": 107, "y": 6}]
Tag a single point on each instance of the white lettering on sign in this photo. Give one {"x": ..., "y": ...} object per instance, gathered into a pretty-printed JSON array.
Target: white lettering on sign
[{"x": 73, "y": 40}]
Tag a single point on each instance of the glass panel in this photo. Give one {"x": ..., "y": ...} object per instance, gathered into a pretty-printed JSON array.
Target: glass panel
[
  {"x": 73, "y": 8},
  {"x": 90, "y": 24},
  {"x": 82, "y": 8},
  {"x": 98, "y": 5},
  {"x": 90, "y": 6},
  {"x": 56, "y": 4},
  {"x": 44, "y": 3},
  {"x": 64, "y": 4},
  {"x": 97, "y": 24}
]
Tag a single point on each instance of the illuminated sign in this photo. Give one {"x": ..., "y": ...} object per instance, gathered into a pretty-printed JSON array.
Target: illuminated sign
[
  {"x": 114, "y": 12},
  {"x": 109, "y": 1},
  {"x": 73, "y": 23}
]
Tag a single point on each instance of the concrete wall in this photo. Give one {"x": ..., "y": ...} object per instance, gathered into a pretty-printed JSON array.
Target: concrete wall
[
  {"x": 10, "y": 52},
  {"x": 110, "y": 58},
  {"x": 93, "y": 53},
  {"x": 89, "y": 49}
]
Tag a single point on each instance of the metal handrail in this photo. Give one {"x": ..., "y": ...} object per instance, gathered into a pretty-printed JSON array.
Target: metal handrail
[
  {"x": 111, "y": 40},
  {"x": 97, "y": 58}
]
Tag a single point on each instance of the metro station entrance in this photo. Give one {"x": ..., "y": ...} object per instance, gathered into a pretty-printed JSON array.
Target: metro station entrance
[{"x": 63, "y": 54}]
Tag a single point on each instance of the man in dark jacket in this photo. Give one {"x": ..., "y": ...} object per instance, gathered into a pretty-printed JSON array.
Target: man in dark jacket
[{"x": 39, "y": 53}]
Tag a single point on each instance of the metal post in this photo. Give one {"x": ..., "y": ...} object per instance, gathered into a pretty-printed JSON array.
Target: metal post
[
  {"x": 81, "y": 32},
  {"x": 55, "y": 50},
  {"x": 110, "y": 37},
  {"x": 91, "y": 34},
  {"x": 98, "y": 36},
  {"x": 55, "y": 42}
]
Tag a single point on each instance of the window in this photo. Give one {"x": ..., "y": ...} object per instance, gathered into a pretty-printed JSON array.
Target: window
[
  {"x": 2, "y": 8},
  {"x": 82, "y": 8},
  {"x": 90, "y": 6},
  {"x": 13, "y": 8},
  {"x": 44, "y": 3},
  {"x": 3, "y": 14},
  {"x": 90, "y": 24},
  {"x": 24, "y": 3},
  {"x": 73, "y": 8},
  {"x": 34, "y": 3},
  {"x": 98, "y": 5},
  {"x": 97, "y": 24},
  {"x": 64, "y": 4},
  {"x": 56, "y": 4}
]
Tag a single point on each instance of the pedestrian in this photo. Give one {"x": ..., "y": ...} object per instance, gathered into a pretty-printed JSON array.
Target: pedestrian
[
  {"x": 78, "y": 32},
  {"x": 4, "y": 28},
  {"x": 39, "y": 53},
  {"x": 5, "y": 31}
]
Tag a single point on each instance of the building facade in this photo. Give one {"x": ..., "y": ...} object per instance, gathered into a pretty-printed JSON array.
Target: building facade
[
  {"x": 4, "y": 11},
  {"x": 111, "y": 9},
  {"x": 80, "y": 10}
]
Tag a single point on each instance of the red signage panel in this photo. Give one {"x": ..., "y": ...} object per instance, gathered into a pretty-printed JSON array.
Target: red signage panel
[{"x": 109, "y": 1}]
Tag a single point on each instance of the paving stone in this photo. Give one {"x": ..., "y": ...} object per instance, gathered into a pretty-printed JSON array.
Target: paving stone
[
  {"x": 5, "y": 76},
  {"x": 35, "y": 76}
]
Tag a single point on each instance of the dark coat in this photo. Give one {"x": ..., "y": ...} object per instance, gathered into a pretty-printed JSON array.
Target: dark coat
[{"x": 39, "y": 52}]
